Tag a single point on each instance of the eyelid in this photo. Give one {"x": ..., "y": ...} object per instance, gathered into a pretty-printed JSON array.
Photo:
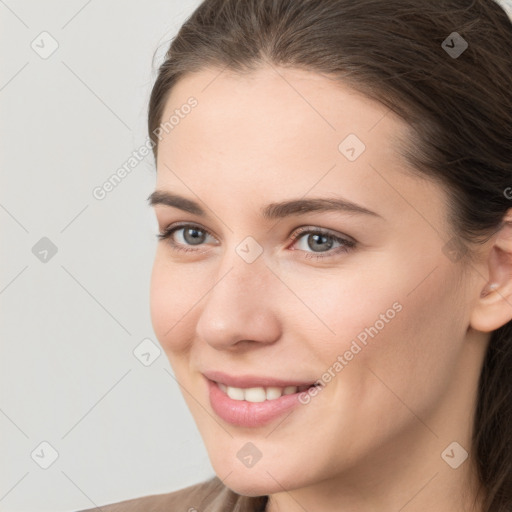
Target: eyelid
[
  {"x": 172, "y": 228},
  {"x": 324, "y": 231}
]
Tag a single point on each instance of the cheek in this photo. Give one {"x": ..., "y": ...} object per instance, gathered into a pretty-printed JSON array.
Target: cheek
[
  {"x": 344, "y": 311},
  {"x": 410, "y": 341},
  {"x": 403, "y": 326},
  {"x": 173, "y": 293}
]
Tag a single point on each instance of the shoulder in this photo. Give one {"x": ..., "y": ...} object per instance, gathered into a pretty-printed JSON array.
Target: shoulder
[{"x": 209, "y": 496}]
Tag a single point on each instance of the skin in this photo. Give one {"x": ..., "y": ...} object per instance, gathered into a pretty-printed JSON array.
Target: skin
[{"x": 372, "y": 438}]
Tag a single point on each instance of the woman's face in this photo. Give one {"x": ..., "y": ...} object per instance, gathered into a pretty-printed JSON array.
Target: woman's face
[{"x": 307, "y": 257}]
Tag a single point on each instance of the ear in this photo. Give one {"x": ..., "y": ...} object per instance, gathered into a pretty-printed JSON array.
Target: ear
[{"x": 494, "y": 306}]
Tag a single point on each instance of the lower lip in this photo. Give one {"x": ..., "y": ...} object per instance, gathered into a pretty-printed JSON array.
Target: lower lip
[{"x": 249, "y": 414}]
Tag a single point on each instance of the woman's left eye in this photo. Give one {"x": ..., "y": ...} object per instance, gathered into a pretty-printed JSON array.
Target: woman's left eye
[
  {"x": 316, "y": 239},
  {"x": 319, "y": 238}
]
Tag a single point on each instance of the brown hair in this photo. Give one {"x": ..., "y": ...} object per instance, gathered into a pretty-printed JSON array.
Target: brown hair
[{"x": 459, "y": 109}]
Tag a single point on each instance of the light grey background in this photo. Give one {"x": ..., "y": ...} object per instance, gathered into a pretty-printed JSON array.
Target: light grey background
[{"x": 68, "y": 326}]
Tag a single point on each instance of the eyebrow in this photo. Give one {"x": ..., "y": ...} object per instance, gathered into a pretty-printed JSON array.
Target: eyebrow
[{"x": 271, "y": 211}]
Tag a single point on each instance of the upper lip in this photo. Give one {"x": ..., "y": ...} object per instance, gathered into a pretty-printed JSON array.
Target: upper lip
[{"x": 252, "y": 381}]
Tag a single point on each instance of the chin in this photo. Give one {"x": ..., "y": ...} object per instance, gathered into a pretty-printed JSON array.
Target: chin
[
  {"x": 262, "y": 479},
  {"x": 250, "y": 484}
]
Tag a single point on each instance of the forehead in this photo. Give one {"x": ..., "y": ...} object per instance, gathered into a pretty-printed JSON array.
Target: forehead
[
  {"x": 278, "y": 105},
  {"x": 275, "y": 131}
]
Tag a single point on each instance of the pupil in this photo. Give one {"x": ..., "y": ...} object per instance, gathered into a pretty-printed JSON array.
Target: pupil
[
  {"x": 195, "y": 239},
  {"x": 320, "y": 237}
]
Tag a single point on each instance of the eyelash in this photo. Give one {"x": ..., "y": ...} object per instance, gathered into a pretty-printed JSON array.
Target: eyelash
[{"x": 347, "y": 245}]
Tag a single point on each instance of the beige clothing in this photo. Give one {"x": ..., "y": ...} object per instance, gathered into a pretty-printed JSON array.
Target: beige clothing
[{"x": 209, "y": 496}]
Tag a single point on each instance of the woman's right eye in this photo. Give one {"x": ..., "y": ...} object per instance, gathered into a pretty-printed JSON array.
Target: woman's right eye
[{"x": 191, "y": 234}]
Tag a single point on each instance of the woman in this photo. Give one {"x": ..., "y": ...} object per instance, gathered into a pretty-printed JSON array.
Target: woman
[{"x": 332, "y": 284}]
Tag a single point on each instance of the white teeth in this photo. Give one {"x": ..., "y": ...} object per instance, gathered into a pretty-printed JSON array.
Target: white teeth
[
  {"x": 235, "y": 393},
  {"x": 257, "y": 394},
  {"x": 273, "y": 393}
]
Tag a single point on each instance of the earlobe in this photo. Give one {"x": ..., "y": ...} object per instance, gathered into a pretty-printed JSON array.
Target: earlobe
[{"x": 493, "y": 308}]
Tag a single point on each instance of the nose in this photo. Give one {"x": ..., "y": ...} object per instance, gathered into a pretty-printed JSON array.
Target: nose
[{"x": 240, "y": 309}]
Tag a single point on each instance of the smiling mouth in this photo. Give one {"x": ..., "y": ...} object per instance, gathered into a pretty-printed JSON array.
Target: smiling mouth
[
  {"x": 253, "y": 401},
  {"x": 260, "y": 394}
]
